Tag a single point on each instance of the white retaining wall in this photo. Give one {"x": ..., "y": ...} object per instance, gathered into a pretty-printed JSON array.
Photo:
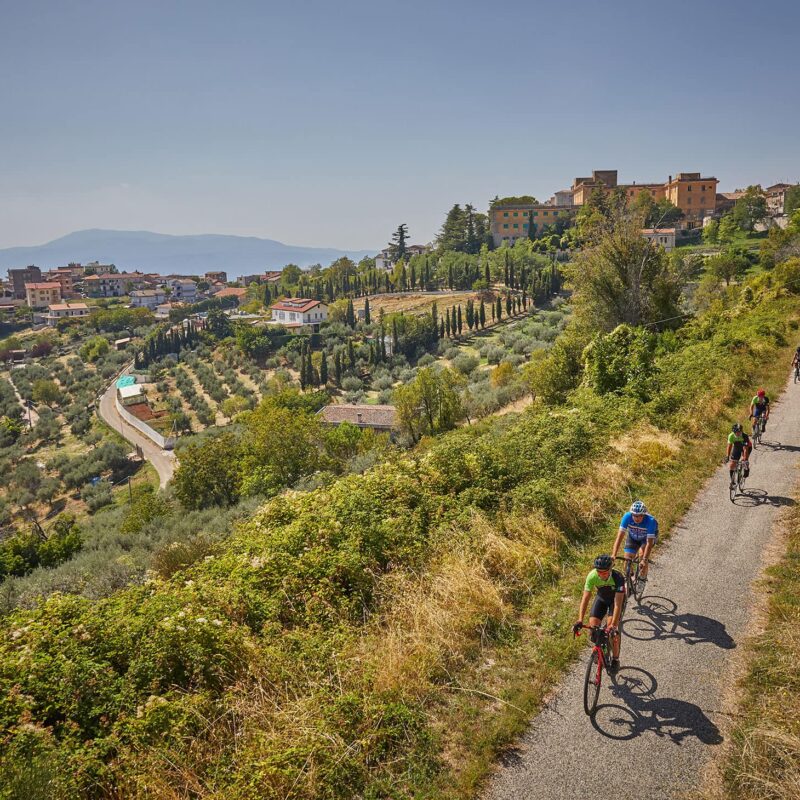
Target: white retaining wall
[{"x": 164, "y": 442}]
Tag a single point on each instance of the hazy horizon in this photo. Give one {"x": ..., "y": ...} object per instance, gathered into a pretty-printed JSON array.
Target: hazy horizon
[{"x": 327, "y": 126}]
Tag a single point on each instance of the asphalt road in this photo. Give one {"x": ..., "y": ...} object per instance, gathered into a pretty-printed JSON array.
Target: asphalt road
[
  {"x": 659, "y": 723},
  {"x": 162, "y": 460}
]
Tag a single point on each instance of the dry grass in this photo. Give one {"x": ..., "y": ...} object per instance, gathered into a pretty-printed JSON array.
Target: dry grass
[{"x": 435, "y": 623}]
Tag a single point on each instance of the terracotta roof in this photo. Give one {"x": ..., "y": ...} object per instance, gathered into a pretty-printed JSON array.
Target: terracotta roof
[
  {"x": 362, "y": 415},
  {"x": 42, "y": 285},
  {"x": 298, "y": 304},
  {"x": 105, "y": 276},
  {"x": 66, "y": 306},
  {"x": 231, "y": 291}
]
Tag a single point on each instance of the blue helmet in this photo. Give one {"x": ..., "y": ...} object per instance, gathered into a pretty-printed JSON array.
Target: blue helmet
[{"x": 638, "y": 508}]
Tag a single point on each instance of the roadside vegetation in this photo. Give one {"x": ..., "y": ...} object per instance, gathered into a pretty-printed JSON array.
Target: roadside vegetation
[
  {"x": 383, "y": 628},
  {"x": 762, "y": 761}
]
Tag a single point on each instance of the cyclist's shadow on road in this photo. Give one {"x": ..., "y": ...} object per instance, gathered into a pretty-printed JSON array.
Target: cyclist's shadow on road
[
  {"x": 659, "y": 619},
  {"x": 758, "y": 497},
  {"x": 643, "y": 711}
]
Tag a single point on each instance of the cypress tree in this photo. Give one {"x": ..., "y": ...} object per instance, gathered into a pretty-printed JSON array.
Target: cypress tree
[
  {"x": 383, "y": 343},
  {"x": 450, "y": 277},
  {"x": 470, "y": 314},
  {"x": 482, "y": 314},
  {"x": 413, "y": 277},
  {"x": 447, "y": 323},
  {"x": 511, "y": 276},
  {"x": 460, "y": 323},
  {"x": 441, "y": 328},
  {"x": 508, "y": 305},
  {"x": 350, "y": 315},
  {"x": 505, "y": 278},
  {"x": 499, "y": 308},
  {"x": 494, "y": 311},
  {"x": 487, "y": 274},
  {"x": 303, "y": 373},
  {"x": 434, "y": 315},
  {"x": 367, "y": 317},
  {"x": 323, "y": 370},
  {"x": 395, "y": 337},
  {"x": 351, "y": 354},
  {"x": 337, "y": 367},
  {"x": 403, "y": 278}
]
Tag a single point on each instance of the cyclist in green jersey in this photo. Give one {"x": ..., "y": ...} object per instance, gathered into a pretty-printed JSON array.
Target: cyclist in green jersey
[
  {"x": 759, "y": 407},
  {"x": 739, "y": 447},
  {"x": 610, "y": 587}
]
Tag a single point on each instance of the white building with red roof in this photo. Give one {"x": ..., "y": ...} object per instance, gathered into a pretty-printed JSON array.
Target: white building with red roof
[{"x": 298, "y": 312}]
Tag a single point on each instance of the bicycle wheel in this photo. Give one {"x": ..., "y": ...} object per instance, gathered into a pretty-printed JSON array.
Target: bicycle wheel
[
  {"x": 638, "y": 585},
  {"x": 740, "y": 479},
  {"x": 732, "y": 489},
  {"x": 591, "y": 687}
]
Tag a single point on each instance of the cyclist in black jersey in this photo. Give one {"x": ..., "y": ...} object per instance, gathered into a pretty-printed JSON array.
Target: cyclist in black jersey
[{"x": 739, "y": 447}]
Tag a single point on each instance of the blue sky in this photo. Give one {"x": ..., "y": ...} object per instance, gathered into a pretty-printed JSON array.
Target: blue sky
[{"x": 328, "y": 123}]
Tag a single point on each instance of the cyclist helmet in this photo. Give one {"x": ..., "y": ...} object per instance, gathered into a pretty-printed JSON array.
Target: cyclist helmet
[
  {"x": 638, "y": 508},
  {"x": 603, "y": 562},
  {"x": 737, "y": 428},
  {"x": 761, "y": 393}
]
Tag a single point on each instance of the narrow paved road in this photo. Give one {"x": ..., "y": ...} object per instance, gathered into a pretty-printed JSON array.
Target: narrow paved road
[
  {"x": 659, "y": 723},
  {"x": 162, "y": 460}
]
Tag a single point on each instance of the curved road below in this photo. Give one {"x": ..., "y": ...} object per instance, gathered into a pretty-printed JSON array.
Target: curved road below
[
  {"x": 659, "y": 723},
  {"x": 162, "y": 460}
]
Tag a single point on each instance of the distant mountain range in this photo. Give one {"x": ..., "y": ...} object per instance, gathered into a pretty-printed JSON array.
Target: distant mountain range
[{"x": 162, "y": 253}]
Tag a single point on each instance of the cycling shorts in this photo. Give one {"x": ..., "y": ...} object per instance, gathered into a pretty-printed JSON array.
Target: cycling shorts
[
  {"x": 632, "y": 546},
  {"x": 601, "y": 607},
  {"x": 759, "y": 411},
  {"x": 737, "y": 450}
]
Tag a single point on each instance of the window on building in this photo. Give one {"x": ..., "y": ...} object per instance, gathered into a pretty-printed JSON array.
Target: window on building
[
  {"x": 689, "y": 188},
  {"x": 524, "y": 224},
  {"x": 544, "y": 213},
  {"x": 505, "y": 225},
  {"x": 515, "y": 214},
  {"x": 505, "y": 213},
  {"x": 535, "y": 213},
  {"x": 516, "y": 225}
]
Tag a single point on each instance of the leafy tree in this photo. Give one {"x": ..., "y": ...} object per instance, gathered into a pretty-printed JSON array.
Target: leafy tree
[
  {"x": 711, "y": 232},
  {"x": 430, "y": 403},
  {"x": 727, "y": 229},
  {"x": 791, "y": 201},
  {"x": 46, "y": 392},
  {"x": 280, "y": 446},
  {"x": 622, "y": 360},
  {"x": 623, "y": 278},
  {"x": 146, "y": 507},
  {"x": 291, "y": 274},
  {"x": 233, "y": 406},
  {"x": 727, "y": 265},
  {"x": 208, "y": 472},
  {"x": 750, "y": 208}
]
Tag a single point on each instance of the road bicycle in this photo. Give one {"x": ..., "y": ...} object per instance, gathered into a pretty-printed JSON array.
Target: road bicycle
[
  {"x": 634, "y": 582},
  {"x": 758, "y": 429},
  {"x": 599, "y": 660},
  {"x": 797, "y": 372},
  {"x": 739, "y": 479}
]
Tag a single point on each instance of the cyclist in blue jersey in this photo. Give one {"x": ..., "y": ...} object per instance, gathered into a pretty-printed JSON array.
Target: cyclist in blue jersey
[{"x": 640, "y": 531}]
